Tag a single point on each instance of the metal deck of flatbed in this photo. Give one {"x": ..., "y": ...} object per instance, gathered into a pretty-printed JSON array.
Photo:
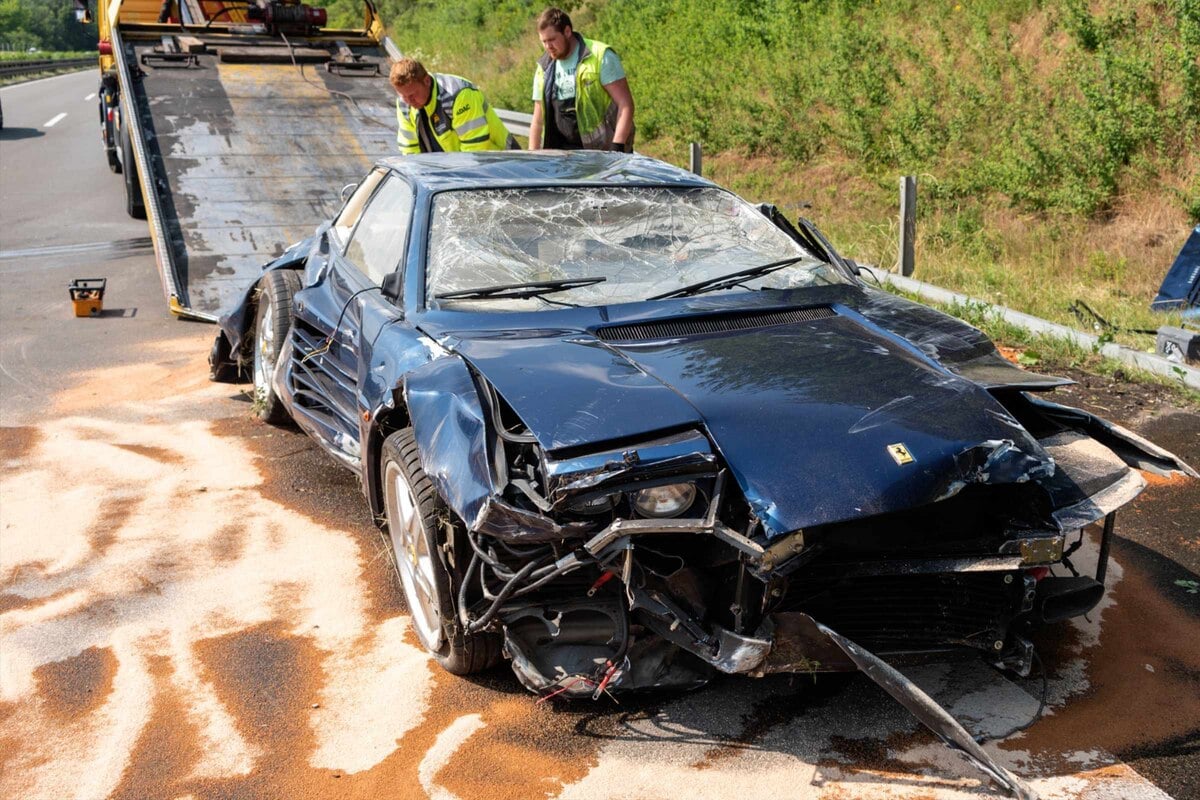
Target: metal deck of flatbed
[{"x": 250, "y": 157}]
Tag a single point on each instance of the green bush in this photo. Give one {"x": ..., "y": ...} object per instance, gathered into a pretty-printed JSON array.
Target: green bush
[{"x": 1058, "y": 106}]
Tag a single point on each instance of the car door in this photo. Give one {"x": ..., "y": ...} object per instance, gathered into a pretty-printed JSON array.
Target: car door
[{"x": 365, "y": 243}]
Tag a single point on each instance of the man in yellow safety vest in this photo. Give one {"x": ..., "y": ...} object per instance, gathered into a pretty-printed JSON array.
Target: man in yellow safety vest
[
  {"x": 443, "y": 113},
  {"x": 581, "y": 98}
]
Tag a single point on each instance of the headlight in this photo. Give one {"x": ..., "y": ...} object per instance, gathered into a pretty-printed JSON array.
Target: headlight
[
  {"x": 664, "y": 501},
  {"x": 597, "y": 505}
]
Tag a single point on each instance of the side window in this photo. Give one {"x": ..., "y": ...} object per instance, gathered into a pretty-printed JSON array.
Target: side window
[
  {"x": 343, "y": 226},
  {"x": 378, "y": 241}
]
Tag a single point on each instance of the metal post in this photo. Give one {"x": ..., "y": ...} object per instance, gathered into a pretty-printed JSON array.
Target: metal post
[
  {"x": 1105, "y": 541},
  {"x": 694, "y": 158},
  {"x": 908, "y": 223}
]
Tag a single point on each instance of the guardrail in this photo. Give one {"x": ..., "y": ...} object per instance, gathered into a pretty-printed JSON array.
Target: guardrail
[
  {"x": 516, "y": 122},
  {"x": 14, "y": 69}
]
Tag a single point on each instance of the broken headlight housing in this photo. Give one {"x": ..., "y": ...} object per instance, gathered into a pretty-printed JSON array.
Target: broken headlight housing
[
  {"x": 595, "y": 505},
  {"x": 670, "y": 500}
]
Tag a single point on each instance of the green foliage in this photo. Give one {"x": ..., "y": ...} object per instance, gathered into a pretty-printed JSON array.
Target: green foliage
[
  {"x": 1058, "y": 106},
  {"x": 48, "y": 25}
]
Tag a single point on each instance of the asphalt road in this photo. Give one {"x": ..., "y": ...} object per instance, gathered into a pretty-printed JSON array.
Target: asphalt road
[{"x": 193, "y": 604}]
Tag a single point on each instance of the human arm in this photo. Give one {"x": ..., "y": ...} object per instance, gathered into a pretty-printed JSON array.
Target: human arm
[
  {"x": 470, "y": 121},
  {"x": 535, "y": 128},
  {"x": 618, "y": 90},
  {"x": 406, "y": 132}
]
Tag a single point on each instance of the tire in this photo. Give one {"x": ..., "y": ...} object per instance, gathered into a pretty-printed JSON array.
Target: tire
[
  {"x": 111, "y": 151},
  {"x": 108, "y": 134},
  {"x": 412, "y": 506},
  {"x": 272, "y": 326},
  {"x": 135, "y": 205}
]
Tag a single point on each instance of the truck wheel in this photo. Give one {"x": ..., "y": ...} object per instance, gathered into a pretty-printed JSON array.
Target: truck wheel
[
  {"x": 107, "y": 135},
  {"x": 135, "y": 205},
  {"x": 412, "y": 505},
  {"x": 110, "y": 146},
  {"x": 272, "y": 326}
]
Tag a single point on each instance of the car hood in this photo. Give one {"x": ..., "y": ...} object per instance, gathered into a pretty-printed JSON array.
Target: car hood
[{"x": 807, "y": 415}]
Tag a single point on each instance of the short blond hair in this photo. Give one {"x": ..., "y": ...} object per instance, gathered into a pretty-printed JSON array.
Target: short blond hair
[{"x": 407, "y": 70}]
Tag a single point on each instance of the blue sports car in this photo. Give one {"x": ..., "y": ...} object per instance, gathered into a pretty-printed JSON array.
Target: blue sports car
[{"x": 628, "y": 430}]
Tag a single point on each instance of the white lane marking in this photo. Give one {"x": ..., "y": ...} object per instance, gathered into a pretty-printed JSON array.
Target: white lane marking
[
  {"x": 447, "y": 742},
  {"x": 91, "y": 96},
  {"x": 55, "y": 121}
]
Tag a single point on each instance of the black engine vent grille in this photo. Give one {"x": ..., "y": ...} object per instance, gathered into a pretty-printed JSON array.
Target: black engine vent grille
[
  {"x": 692, "y": 326},
  {"x": 909, "y": 613}
]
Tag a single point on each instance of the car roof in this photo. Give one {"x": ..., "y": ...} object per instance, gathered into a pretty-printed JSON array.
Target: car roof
[{"x": 507, "y": 168}]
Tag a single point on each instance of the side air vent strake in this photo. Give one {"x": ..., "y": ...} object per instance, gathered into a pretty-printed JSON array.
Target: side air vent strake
[{"x": 692, "y": 326}]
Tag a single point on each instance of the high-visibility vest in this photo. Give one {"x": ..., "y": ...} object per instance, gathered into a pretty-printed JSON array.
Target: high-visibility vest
[
  {"x": 460, "y": 118},
  {"x": 595, "y": 112}
]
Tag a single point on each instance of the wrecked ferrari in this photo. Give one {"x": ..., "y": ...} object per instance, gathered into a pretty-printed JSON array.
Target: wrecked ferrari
[{"x": 627, "y": 430}]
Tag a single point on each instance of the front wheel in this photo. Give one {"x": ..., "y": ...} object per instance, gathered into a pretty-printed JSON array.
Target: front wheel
[
  {"x": 272, "y": 326},
  {"x": 412, "y": 505}
]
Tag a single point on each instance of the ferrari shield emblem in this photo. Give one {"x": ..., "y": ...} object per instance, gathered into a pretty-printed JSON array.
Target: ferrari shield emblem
[{"x": 900, "y": 454}]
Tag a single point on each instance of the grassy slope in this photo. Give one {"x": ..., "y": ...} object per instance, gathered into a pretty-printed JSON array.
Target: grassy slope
[{"x": 1057, "y": 144}]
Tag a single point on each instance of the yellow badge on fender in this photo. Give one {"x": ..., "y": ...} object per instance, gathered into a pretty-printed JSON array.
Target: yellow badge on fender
[{"x": 900, "y": 454}]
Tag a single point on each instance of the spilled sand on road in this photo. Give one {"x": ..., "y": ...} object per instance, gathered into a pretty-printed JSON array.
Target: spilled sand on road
[{"x": 136, "y": 543}]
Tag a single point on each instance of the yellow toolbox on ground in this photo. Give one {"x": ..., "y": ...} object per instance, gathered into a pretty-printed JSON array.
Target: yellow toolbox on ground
[{"x": 87, "y": 296}]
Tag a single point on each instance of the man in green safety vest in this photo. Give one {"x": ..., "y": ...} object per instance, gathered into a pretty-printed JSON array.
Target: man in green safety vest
[
  {"x": 443, "y": 113},
  {"x": 581, "y": 99}
]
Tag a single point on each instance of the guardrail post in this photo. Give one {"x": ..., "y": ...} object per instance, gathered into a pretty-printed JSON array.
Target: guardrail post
[
  {"x": 695, "y": 156},
  {"x": 908, "y": 223}
]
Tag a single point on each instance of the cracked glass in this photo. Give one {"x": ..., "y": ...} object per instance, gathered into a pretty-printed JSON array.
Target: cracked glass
[{"x": 643, "y": 241}]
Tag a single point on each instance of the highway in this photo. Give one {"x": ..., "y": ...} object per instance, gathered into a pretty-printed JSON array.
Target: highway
[{"x": 196, "y": 605}]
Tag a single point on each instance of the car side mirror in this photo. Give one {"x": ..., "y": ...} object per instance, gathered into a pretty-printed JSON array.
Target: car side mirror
[
  {"x": 348, "y": 190},
  {"x": 390, "y": 285}
]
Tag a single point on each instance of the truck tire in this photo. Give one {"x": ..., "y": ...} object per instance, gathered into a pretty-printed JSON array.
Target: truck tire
[
  {"x": 135, "y": 205},
  {"x": 412, "y": 507},
  {"x": 272, "y": 326},
  {"x": 108, "y": 134}
]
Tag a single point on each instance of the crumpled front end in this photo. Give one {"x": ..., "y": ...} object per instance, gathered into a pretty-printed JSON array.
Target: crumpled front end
[{"x": 645, "y": 563}]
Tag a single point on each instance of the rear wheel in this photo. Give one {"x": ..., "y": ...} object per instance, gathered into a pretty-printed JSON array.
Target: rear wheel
[
  {"x": 135, "y": 205},
  {"x": 111, "y": 151},
  {"x": 412, "y": 505},
  {"x": 108, "y": 132},
  {"x": 272, "y": 326}
]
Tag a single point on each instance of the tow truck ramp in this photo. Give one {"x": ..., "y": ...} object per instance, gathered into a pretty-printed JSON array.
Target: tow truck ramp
[{"x": 244, "y": 142}]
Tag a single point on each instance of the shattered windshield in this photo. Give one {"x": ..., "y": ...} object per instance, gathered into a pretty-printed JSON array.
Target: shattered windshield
[{"x": 642, "y": 241}]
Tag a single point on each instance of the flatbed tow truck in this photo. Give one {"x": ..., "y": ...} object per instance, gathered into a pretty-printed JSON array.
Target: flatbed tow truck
[{"x": 235, "y": 125}]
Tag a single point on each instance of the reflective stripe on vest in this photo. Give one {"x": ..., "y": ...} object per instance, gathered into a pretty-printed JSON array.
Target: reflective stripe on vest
[
  {"x": 476, "y": 131},
  {"x": 595, "y": 111}
]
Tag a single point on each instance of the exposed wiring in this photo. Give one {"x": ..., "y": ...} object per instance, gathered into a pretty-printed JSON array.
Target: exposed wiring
[
  {"x": 867, "y": 270},
  {"x": 564, "y": 687},
  {"x": 462, "y": 590},
  {"x": 510, "y": 587},
  {"x": 324, "y": 348}
]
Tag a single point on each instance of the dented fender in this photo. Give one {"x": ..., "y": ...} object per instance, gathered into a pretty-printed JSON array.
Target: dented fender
[{"x": 449, "y": 424}]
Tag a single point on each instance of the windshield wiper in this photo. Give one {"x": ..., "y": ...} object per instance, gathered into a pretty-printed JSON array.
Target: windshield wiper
[
  {"x": 725, "y": 281},
  {"x": 519, "y": 291}
]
